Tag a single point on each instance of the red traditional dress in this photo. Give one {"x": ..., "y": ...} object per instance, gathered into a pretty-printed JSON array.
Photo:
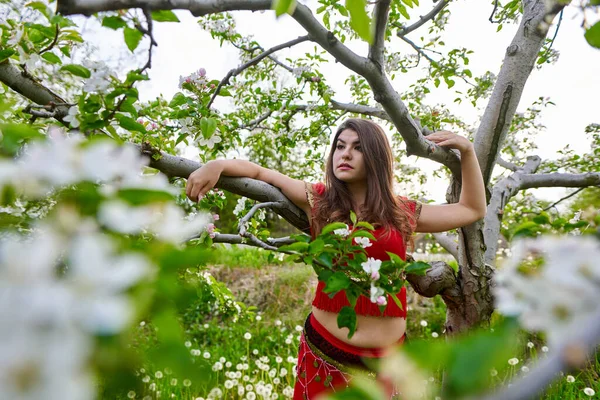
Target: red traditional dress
[{"x": 325, "y": 363}]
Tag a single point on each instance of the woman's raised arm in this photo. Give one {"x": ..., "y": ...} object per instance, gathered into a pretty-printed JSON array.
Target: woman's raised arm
[
  {"x": 205, "y": 178},
  {"x": 471, "y": 206}
]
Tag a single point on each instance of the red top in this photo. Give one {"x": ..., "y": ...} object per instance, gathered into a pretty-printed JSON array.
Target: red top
[{"x": 394, "y": 244}]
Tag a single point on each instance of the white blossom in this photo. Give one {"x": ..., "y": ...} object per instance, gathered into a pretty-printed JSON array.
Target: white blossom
[
  {"x": 375, "y": 293},
  {"x": 364, "y": 242},
  {"x": 342, "y": 231},
  {"x": 568, "y": 281},
  {"x": 71, "y": 117},
  {"x": 210, "y": 142}
]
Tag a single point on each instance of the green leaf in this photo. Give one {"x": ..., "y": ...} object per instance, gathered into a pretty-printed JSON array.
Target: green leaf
[
  {"x": 130, "y": 124},
  {"x": 541, "y": 219},
  {"x": 403, "y": 11},
  {"x": 324, "y": 274},
  {"x": 4, "y": 54},
  {"x": 164, "y": 16},
  {"x": 347, "y": 319},
  {"x": 417, "y": 268},
  {"x": 132, "y": 38},
  {"x": 359, "y": 20},
  {"x": 39, "y": 6},
  {"x": 283, "y": 6},
  {"x": 138, "y": 197},
  {"x": 395, "y": 258},
  {"x": 396, "y": 300},
  {"x": 353, "y": 217},
  {"x": 51, "y": 58},
  {"x": 77, "y": 70},
  {"x": 326, "y": 258},
  {"x": 336, "y": 282},
  {"x": 592, "y": 35},
  {"x": 528, "y": 228},
  {"x": 364, "y": 224},
  {"x": 316, "y": 246},
  {"x": 177, "y": 100},
  {"x": 208, "y": 126},
  {"x": 353, "y": 293},
  {"x": 472, "y": 357},
  {"x": 14, "y": 135},
  {"x": 298, "y": 246},
  {"x": 361, "y": 233},
  {"x": 333, "y": 226},
  {"x": 114, "y": 22}
]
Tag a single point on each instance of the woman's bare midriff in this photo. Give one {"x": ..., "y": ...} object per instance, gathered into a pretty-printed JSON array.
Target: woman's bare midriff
[{"x": 371, "y": 331}]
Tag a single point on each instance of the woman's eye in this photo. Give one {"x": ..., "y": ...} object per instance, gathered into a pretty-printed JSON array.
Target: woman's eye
[
  {"x": 339, "y": 147},
  {"x": 358, "y": 148}
]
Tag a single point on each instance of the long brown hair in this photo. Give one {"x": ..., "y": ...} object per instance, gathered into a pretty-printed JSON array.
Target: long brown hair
[{"x": 382, "y": 208}]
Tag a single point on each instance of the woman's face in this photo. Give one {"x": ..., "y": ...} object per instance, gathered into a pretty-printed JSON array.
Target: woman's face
[{"x": 348, "y": 162}]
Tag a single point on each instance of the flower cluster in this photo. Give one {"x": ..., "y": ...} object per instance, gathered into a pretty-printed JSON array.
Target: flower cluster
[
  {"x": 67, "y": 279},
  {"x": 568, "y": 283},
  {"x": 371, "y": 267},
  {"x": 298, "y": 71},
  {"x": 197, "y": 79},
  {"x": 99, "y": 81}
]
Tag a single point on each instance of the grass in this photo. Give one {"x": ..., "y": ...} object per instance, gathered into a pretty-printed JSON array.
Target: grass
[{"x": 254, "y": 357}]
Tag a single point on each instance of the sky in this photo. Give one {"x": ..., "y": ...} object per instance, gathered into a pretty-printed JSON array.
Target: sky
[{"x": 573, "y": 83}]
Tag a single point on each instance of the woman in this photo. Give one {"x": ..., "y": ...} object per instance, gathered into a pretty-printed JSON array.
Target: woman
[{"x": 359, "y": 177}]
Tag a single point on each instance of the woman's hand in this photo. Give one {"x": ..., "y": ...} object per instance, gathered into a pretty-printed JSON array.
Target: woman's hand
[
  {"x": 202, "y": 180},
  {"x": 451, "y": 140}
]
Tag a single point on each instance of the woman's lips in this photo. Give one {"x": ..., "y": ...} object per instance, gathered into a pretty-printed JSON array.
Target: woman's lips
[{"x": 345, "y": 167}]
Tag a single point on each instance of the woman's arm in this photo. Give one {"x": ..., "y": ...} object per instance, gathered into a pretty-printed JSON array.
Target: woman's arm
[
  {"x": 205, "y": 178},
  {"x": 471, "y": 206}
]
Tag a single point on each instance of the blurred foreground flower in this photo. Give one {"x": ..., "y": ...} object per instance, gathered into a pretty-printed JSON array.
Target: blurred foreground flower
[{"x": 551, "y": 284}]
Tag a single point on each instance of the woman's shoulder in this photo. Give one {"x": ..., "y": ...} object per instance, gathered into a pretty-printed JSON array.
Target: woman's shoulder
[
  {"x": 410, "y": 205},
  {"x": 319, "y": 188}
]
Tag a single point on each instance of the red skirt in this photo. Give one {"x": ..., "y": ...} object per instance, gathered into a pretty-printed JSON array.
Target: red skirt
[{"x": 327, "y": 364}]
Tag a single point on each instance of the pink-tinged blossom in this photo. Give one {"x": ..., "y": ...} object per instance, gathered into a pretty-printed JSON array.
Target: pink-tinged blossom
[
  {"x": 202, "y": 72},
  {"x": 210, "y": 229},
  {"x": 216, "y": 217},
  {"x": 375, "y": 276},
  {"x": 381, "y": 301},
  {"x": 376, "y": 292},
  {"x": 371, "y": 266}
]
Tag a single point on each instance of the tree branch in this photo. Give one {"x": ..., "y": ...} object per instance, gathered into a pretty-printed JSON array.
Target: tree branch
[
  {"x": 429, "y": 16},
  {"x": 360, "y": 109},
  {"x": 418, "y": 50},
  {"x": 439, "y": 279},
  {"x": 237, "y": 239},
  {"x": 508, "y": 165},
  {"x": 254, "y": 61},
  {"x": 381, "y": 86},
  {"x": 23, "y": 84},
  {"x": 529, "y": 181},
  {"x": 517, "y": 65},
  {"x": 564, "y": 198},
  {"x": 196, "y": 7},
  {"x": 380, "y": 18},
  {"x": 501, "y": 194},
  {"x": 491, "y": 19},
  {"x": 448, "y": 243}
]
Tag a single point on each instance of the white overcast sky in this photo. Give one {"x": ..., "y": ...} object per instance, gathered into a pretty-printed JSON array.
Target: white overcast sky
[{"x": 573, "y": 83}]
